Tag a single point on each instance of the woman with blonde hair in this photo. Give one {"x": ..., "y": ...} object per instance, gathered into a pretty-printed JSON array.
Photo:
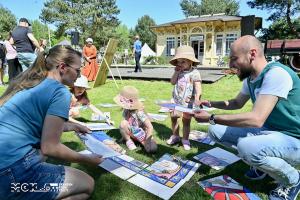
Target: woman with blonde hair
[{"x": 33, "y": 114}]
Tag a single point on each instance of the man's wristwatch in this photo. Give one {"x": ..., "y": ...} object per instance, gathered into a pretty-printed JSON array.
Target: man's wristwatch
[{"x": 212, "y": 119}]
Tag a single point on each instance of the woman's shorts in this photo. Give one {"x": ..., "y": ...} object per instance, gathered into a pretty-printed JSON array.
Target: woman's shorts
[{"x": 30, "y": 178}]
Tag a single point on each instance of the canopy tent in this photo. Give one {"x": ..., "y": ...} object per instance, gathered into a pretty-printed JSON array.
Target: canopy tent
[
  {"x": 65, "y": 42},
  {"x": 146, "y": 51}
]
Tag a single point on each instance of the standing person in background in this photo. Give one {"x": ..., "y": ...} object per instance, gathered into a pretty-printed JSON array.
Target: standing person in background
[
  {"x": 14, "y": 67},
  {"x": 25, "y": 42},
  {"x": 90, "y": 56},
  {"x": 137, "y": 50}
]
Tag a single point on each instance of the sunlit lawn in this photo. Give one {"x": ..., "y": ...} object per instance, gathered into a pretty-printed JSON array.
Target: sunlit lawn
[{"x": 109, "y": 186}]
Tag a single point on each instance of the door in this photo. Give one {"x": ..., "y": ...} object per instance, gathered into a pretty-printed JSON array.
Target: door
[{"x": 197, "y": 42}]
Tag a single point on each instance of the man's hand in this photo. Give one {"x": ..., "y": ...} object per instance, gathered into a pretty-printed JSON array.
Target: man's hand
[
  {"x": 201, "y": 116},
  {"x": 205, "y": 103}
]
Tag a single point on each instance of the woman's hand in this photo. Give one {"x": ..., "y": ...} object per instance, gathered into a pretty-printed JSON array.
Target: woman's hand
[
  {"x": 80, "y": 128},
  {"x": 93, "y": 159}
]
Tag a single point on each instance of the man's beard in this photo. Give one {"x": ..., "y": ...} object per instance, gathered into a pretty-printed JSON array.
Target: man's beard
[{"x": 245, "y": 73}]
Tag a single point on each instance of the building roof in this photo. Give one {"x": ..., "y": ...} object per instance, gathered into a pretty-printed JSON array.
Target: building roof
[{"x": 204, "y": 18}]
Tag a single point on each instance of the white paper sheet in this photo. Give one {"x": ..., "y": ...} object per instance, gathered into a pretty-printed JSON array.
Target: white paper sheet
[
  {"x": 217, "y": 158},
  {"x": 98, "y": 147},
  {"x": 158, "y": 189},
  {"x": 107, "y": 105},
  {"x": 201, "y": 137},
  {"x": 99, "y": 126},
  {"x": 158, "y": 117},
  {"x": 122, "y": 171}
]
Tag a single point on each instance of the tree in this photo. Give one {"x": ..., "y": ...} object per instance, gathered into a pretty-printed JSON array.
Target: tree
[
  {"x": 280, "y": 30},
  {"x": 7, "y": 22},
  {"x": 92, "y": 18},
  {"x": 122, "y": 33},
  {"x": 39, "y": 30},
  {"x": 143, "y": 30},
  {"x": 279, "y": 9},
  {"x": 207, "y": 7}
]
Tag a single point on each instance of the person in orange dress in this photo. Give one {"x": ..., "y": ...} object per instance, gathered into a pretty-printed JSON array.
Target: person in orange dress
[{"x": 90, "y": 54}]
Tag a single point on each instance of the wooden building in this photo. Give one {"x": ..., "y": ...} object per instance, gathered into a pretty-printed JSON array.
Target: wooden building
[{"x": 209, "y": 35}]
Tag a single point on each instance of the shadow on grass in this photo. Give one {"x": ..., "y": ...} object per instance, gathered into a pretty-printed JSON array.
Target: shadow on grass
[
  {"x": 82, "y": 119},
  {"x": 163, "y": 132},
  {"x": 161, "y": 150}
]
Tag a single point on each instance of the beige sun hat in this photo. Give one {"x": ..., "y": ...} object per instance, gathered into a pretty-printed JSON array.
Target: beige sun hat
[
  {"x": 89, "y": 40},
  {"x": 82, "y": 81},
  {"x": 128, "y": 98},
  {"x": 186, "y": 52}
]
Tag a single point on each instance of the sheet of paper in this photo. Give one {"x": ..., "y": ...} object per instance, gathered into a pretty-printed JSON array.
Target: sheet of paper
[
  {"x": 164, "y": 110},
  {"x": 97, "y": 147},
  {"x": 158, "y": 117},
  {"x": 123, "y": 166},
  {"x": 224, "y": 187},
  {"x": 201, "y": 137},
  {"x": 184, "y": 109},
  {"x": 99, "y": 126},
  {"x": 164, "y": 177},
  {"x": 217, "y": 158},
  {"x": 107, "y": 105}
]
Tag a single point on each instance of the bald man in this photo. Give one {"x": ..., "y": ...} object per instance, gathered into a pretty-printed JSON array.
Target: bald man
[{"x": 267, "y": 137}]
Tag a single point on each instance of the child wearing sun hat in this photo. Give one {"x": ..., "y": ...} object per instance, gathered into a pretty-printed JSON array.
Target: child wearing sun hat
[
  {"x": 136, "y": 125},
  {"x": 187, "y": 91},
  {"x": 80, "y": 98}
]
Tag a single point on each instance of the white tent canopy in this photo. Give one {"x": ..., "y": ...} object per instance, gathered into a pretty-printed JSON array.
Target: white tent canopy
[{"x": 146, "y": 51}]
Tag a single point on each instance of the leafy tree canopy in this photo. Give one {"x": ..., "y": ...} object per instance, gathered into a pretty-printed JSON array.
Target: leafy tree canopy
[
  {"x": 280, "y": 30},
  {"x": 279, "y": 9},
  {"x": 92, "y": 18},
  {"x": 143, "y": 30},
  {"x": 7, "y": 22},
  {"x": 207, "y": 7}
]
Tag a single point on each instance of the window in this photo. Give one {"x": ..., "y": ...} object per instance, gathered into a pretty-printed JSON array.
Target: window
[
  {"x": 219, "y": 45},
  {"x": 230, "y": 38},
  {"x": 170, "y": 45}
]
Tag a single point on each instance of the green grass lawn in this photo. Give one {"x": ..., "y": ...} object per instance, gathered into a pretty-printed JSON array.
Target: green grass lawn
[{"x": 109, "y": 186}]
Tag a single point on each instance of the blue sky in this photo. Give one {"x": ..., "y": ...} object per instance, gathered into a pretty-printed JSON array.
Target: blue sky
[{"x": 162, "y": 11}]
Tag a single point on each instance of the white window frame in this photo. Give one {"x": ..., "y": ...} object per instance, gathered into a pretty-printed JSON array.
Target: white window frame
[
  {"x": 220, "y": 37},
  {"x": 170, "y": 44},
  {"x": 229, "y": 39}
]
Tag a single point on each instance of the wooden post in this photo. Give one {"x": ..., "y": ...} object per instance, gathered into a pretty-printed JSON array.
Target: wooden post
[{"x": 106, "y": 62}]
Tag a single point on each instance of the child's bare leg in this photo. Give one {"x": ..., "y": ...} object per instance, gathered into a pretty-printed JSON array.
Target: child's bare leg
[
  {"x": 125, "y": 131},
  {"x": 175, "y": 125},
  {"x": 186, "y": 121},
  {"x": 1, "y": 75}
]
